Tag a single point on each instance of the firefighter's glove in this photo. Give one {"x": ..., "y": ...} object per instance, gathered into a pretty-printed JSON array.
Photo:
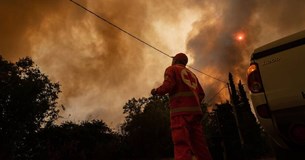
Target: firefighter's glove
[{"x": 153, "y": 92}]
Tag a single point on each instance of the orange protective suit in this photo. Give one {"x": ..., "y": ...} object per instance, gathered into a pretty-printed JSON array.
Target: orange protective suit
[{"x": 185, "y": 94}]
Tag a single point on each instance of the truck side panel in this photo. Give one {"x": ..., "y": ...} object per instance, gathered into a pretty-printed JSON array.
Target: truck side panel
[{"x": 284, "y": 78}]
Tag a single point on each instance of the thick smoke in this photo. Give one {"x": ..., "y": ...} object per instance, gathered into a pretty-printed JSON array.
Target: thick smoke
[
  {"x": 100, "y": 68},
  {"x": 213, "y": 38},
  {"x": 88, "y": 58}
]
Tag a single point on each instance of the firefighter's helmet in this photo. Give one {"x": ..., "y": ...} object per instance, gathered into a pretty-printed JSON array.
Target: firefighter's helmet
[{"x": 181, "y": 58}]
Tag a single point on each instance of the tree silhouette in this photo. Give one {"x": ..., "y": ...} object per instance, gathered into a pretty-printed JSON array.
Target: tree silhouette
[
  {"x": 90, "y": 140},
  {"x": 234, "y": 97},
  {"x": 233, "y": 128},
  {"x": 252, "y": 137},
  {"x": 214, "y": 135},
  {"x": 146, "y": 129},
  {"x": 255, "y": 144},
  {"x": 27, "y": 103},
  {"x": 229, "y": 131}
]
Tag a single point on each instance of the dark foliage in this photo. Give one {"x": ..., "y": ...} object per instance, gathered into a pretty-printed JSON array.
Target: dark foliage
[
  {"x": 254, "y": 138},
  {"x": 86, "y": 141},
  {"x": 229, "y": 131},
  {"x": 146, "y": 131},
  {"x": 27, "y": 103},
  {"x": 214, "y": 135}
]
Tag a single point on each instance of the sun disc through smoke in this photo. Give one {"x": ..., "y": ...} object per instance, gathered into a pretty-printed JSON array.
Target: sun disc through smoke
[{"x": 239, "y": 36}]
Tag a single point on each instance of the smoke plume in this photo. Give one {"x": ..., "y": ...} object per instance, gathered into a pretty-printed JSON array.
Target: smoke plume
[{"x": 214, "y": 42}]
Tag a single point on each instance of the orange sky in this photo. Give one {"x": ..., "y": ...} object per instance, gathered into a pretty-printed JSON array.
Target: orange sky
[{"x": 100, "y": 68}]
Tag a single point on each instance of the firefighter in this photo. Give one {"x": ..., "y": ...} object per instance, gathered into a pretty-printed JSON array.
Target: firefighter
[{"x": 185, "y": 94}]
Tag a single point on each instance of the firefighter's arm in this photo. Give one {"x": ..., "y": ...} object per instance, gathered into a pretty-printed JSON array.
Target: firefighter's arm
[
  {"x": 201, "y": 93},
  {"x": 168, "y": 83}
]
